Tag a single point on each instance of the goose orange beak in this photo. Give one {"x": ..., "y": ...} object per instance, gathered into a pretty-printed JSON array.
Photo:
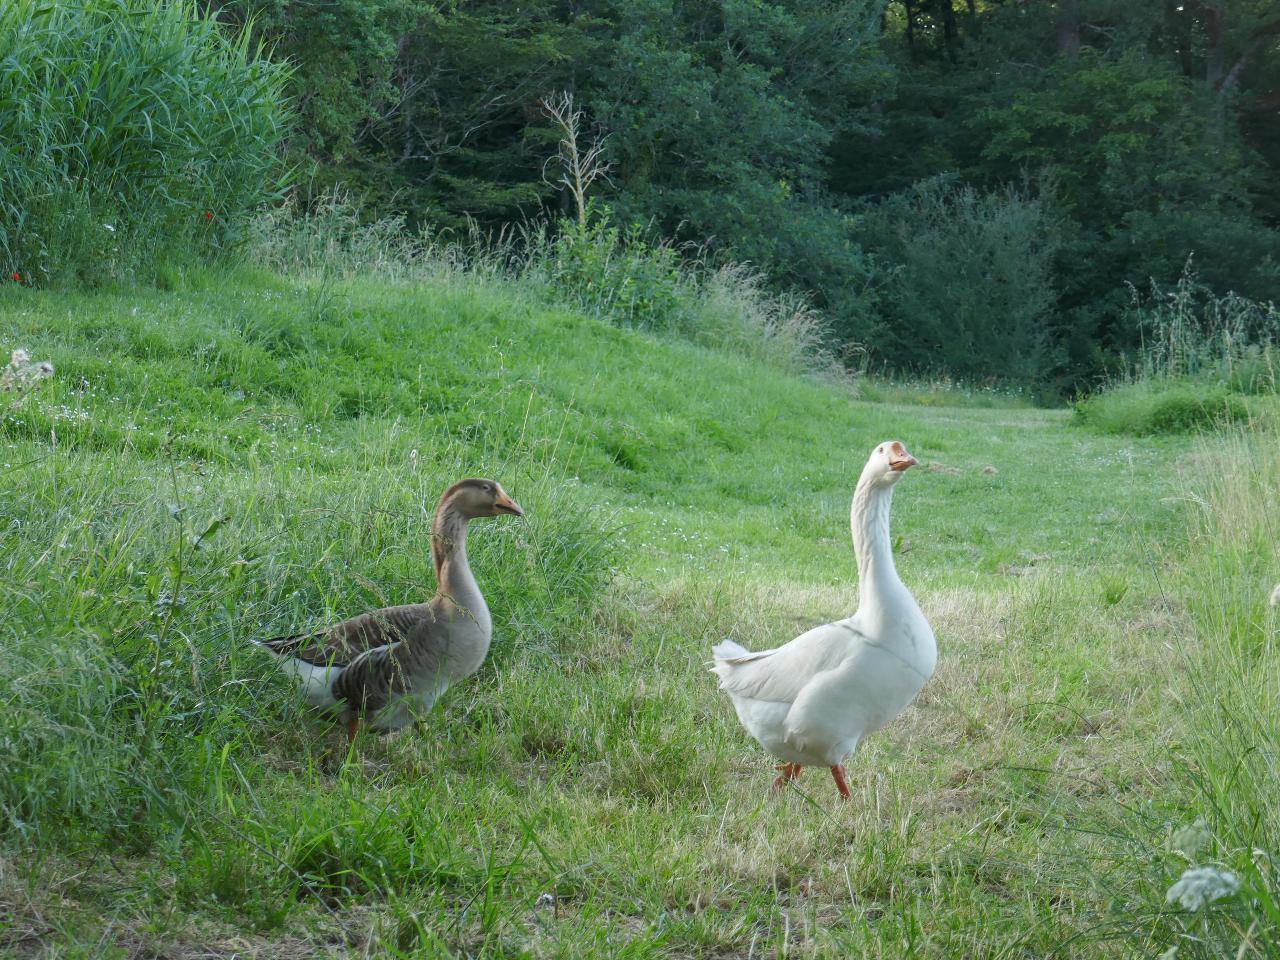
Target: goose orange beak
[
  {"x": 899, "y": 459},
  {"x": 505, "y": 504}
]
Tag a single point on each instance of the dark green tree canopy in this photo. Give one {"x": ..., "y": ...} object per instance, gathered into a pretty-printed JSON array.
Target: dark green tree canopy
[{"x": 805, "y": 135}]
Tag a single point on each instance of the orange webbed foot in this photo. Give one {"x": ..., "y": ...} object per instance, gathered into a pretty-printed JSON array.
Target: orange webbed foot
[{"x": 789, "y": 772}]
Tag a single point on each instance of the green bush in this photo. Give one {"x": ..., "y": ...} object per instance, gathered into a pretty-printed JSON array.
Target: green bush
[
  {"x": 966, "y": 284},
  {"x": 1162, "y": 406},
  {"x": 620, "y": 275},
  {"x": 132, "y": 134}
]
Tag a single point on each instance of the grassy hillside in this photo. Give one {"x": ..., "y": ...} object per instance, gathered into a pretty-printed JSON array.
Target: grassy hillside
[{"x": 251, "y": 453}]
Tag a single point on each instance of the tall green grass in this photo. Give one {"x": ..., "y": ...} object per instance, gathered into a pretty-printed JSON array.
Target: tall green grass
[
  {"x": 134, "y": 135},
  {"x": 1194, "y": 871},
  {"x": 626, "y": 277},
  {"x": 1233, "y": 741},
  {"x": 1207, "y": 360},
  {"x": 165, "y": 506}
]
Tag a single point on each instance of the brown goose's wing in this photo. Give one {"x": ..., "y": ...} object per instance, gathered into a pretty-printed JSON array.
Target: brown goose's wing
[
  {"x": 376, "y": 677},
  {"x": 344, "y": 642}
]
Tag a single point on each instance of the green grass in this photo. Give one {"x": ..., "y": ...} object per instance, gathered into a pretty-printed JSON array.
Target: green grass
[
  {"x": 590, "y": 792},
  {"x": 1171, "y": 406},
  {"x": 134, "y": 136}
]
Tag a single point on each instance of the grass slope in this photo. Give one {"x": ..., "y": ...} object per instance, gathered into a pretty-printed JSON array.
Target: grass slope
[{"x": 589, "y": 793}]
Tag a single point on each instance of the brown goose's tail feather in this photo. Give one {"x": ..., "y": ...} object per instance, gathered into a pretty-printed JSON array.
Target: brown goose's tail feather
[{"x": 287, "y": 645}]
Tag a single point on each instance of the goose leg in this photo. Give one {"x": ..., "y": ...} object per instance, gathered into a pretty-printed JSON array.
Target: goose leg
[
  {"x": 837, "y": 774},
  {"x": 789, "y": 772},
  {"x": 353, "y": 727}
]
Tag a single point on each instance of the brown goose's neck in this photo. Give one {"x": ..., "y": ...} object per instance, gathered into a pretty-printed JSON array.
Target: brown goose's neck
[
  {"x": 448, "y": 543},
  {"x": 467, "y": 625}
]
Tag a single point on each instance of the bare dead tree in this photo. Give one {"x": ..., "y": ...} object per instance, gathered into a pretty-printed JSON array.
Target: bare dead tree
[{"x": 578, "y": 167}]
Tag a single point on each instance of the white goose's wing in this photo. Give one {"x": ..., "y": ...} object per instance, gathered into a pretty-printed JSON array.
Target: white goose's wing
[
  {"x": 780, "y": 675},
  {"x": 864, "y": 691}
]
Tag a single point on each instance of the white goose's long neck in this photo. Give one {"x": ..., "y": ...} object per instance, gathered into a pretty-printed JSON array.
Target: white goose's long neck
[
  {"x": 881, "y": 593},
  {"x": 453, "y": 572}
]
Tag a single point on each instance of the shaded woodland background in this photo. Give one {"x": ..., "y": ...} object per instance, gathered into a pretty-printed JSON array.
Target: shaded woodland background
[{"x": 964, "y": 188}]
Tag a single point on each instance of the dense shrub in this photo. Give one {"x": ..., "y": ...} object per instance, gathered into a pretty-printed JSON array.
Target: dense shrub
[
  {"x": 130, "y": 131},
  {"x": 967, "y": 282}
]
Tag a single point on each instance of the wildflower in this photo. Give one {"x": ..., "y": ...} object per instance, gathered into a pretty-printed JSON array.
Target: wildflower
[
  {"x": 1201, "y": 885},
  {"x": 21, "y": 373},
  {"x": 109, "y": 228},
  {"x": 208, "y": 214},
  {"x": 1191, "y": 839},
  {"x": 16, "y": 277}
]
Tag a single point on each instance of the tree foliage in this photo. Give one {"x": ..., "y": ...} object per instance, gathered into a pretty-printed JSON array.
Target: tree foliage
[{"x": 796, "y": 134}]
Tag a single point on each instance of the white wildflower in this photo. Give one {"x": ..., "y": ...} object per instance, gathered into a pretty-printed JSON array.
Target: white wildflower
[
  {"x": 1191, "y": 839},
  {"x": 109, "y": 228},
  {"x": 1169, "y": 954},
  {"x": 22, "y": 374},
  {"x": 1201, "y": 885},
  {"x": 545, "y": 900}
]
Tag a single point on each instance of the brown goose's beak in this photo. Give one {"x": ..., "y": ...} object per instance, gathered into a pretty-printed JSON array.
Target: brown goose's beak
[
  {"x": 899, "y": 459},
  {"x": 505, "y": 504}
]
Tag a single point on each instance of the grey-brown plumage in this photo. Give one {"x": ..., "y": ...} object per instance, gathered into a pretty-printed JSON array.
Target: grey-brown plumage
[{"x": 388, "y": 665}]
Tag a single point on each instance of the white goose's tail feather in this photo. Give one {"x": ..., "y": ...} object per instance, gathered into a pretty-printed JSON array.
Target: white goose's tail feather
[
  {"x": 729, "y": 650},
  {"x": 728, "y": 654}
]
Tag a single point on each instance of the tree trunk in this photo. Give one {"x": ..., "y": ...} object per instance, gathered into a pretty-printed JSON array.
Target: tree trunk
[
  {"x": 1068, "y": 26},
  {"x": 949, "y": 29},
  {"x": 1213, "y": 57},
  {"x": 1178, "y": 22}
]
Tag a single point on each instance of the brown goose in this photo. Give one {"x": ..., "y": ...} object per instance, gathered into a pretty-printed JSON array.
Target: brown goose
[{"x": 389, "y": 665}]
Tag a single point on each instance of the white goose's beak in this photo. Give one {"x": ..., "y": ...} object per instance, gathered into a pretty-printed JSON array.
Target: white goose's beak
[{"x": 899, "y": 459}]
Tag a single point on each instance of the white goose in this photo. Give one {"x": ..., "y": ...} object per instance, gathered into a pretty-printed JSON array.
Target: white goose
[{"x": 810, "y": 702}]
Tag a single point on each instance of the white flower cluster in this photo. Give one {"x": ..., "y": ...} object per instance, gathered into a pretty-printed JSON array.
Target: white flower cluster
[
  {"x": 1201, "y": 885},
  {"x": 1191, "y": 839},
  {"x": 21, "y": 374}
]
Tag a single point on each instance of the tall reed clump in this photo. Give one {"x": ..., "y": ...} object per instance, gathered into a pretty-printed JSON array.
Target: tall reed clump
[
  {"x": 1204, "y": 358},
  {"x": 136, "y": 134},
  {"x": 1196, "y": 874}
]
